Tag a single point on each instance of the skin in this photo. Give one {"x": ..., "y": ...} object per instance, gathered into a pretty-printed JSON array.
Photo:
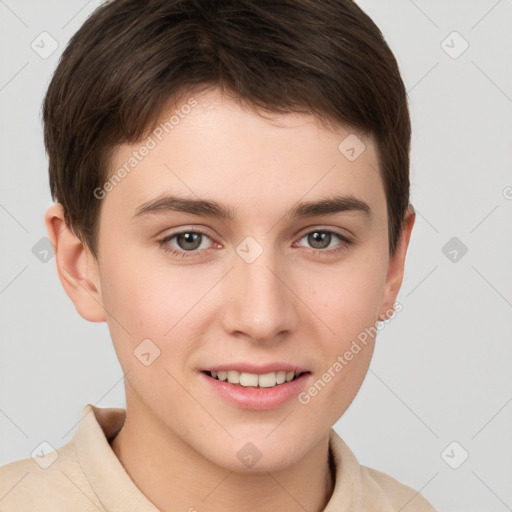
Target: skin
[{"x": 180, "y": 440}]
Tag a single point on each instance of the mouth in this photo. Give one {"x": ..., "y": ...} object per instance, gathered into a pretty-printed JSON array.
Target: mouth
[
  {"x": 255, "y": 380},
  {"x": 255, "y": 387}
]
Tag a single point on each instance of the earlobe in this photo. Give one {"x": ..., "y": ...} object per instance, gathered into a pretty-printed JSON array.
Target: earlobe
[
  {"x": 77, "y": 267},
  {"x": 396, "y": 267}
]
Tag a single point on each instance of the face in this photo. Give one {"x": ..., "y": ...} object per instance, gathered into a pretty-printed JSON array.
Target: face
[{"x": 243, "y": 278}]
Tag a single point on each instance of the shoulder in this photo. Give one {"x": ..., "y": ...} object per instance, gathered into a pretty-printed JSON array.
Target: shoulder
[
  {"x": 48, "y": 482},
  {"x": 365, "y": 489},
  {"x": 382, "y": 487}
]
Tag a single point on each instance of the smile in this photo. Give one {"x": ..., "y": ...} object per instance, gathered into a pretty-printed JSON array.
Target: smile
[
  {"x": 246, "y": 379},
  {"x": 259, "y": 389}
]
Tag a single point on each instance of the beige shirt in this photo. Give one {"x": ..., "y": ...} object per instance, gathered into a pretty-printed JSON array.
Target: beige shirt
[{"x": 87, "y": 476}]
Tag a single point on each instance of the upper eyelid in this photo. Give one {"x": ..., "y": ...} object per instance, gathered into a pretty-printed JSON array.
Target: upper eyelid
[{"x": 307, "y": 231}]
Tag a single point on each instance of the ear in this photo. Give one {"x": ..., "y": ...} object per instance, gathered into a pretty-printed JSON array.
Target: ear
[
  {"x": 77, "y": 267},
  {"x": 396, "y": 266}
]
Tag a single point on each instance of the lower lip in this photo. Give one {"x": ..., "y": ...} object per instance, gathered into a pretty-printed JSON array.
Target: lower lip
[{"x": 257, "y": 399}]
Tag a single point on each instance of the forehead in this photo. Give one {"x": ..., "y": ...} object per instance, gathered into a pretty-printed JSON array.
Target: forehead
[{"x": 210, "y": 146}]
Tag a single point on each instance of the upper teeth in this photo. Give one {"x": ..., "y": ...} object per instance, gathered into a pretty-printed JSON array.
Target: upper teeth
[{"x": 266, "y": 380}]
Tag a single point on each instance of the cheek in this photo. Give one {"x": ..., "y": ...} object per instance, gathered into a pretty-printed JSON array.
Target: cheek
[
  {"x": 156, "y": 301},
  {"x": 350, "y": 311},
  {"x": 349, "y": 298},
  {"x": 349, "y": 301},
  {"x": 134, "y": 300},
  {"x": 149, "y": 298}
]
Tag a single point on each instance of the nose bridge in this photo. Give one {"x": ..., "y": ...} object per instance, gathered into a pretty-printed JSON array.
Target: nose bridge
[{"x": 259, "y": 304}]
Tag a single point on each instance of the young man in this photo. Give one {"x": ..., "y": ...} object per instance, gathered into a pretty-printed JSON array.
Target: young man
[{"x": 232, "y": 198}]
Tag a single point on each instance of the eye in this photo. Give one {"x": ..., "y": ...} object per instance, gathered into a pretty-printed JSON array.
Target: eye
[
  {"x": 183, "y": 242},
  {"x": 190, "y": 243},
  {"x": 325, "y": 241}
]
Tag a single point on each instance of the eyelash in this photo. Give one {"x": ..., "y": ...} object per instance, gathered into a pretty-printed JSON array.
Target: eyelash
[{"x": 163, "y": 243}]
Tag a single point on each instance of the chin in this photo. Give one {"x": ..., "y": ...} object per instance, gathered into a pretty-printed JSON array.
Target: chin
[{"x": 258, "y": 453}]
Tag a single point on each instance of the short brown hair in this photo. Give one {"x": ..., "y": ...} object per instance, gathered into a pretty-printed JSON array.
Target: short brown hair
[{"x": 131, "y": 57}]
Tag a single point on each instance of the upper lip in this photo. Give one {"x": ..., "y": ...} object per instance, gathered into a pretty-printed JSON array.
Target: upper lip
[{"x": 254, "y": 368}]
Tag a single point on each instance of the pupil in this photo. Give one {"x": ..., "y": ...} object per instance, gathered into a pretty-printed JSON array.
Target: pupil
[
  {"x": 189, "y": 241},
  {"x": 319, "y": 240}
]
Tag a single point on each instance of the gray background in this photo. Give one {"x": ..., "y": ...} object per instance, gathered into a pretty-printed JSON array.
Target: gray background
[{"x": 441, "y": 370}]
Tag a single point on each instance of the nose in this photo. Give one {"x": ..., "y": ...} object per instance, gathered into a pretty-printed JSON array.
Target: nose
[{"x": 258, "y": 302}]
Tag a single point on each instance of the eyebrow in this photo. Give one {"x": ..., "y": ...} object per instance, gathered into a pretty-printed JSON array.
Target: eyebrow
[{"x": 209, "y": 208}]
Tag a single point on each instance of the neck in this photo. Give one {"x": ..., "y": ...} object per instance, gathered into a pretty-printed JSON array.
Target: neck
[{"x": 175, "y": 477}]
